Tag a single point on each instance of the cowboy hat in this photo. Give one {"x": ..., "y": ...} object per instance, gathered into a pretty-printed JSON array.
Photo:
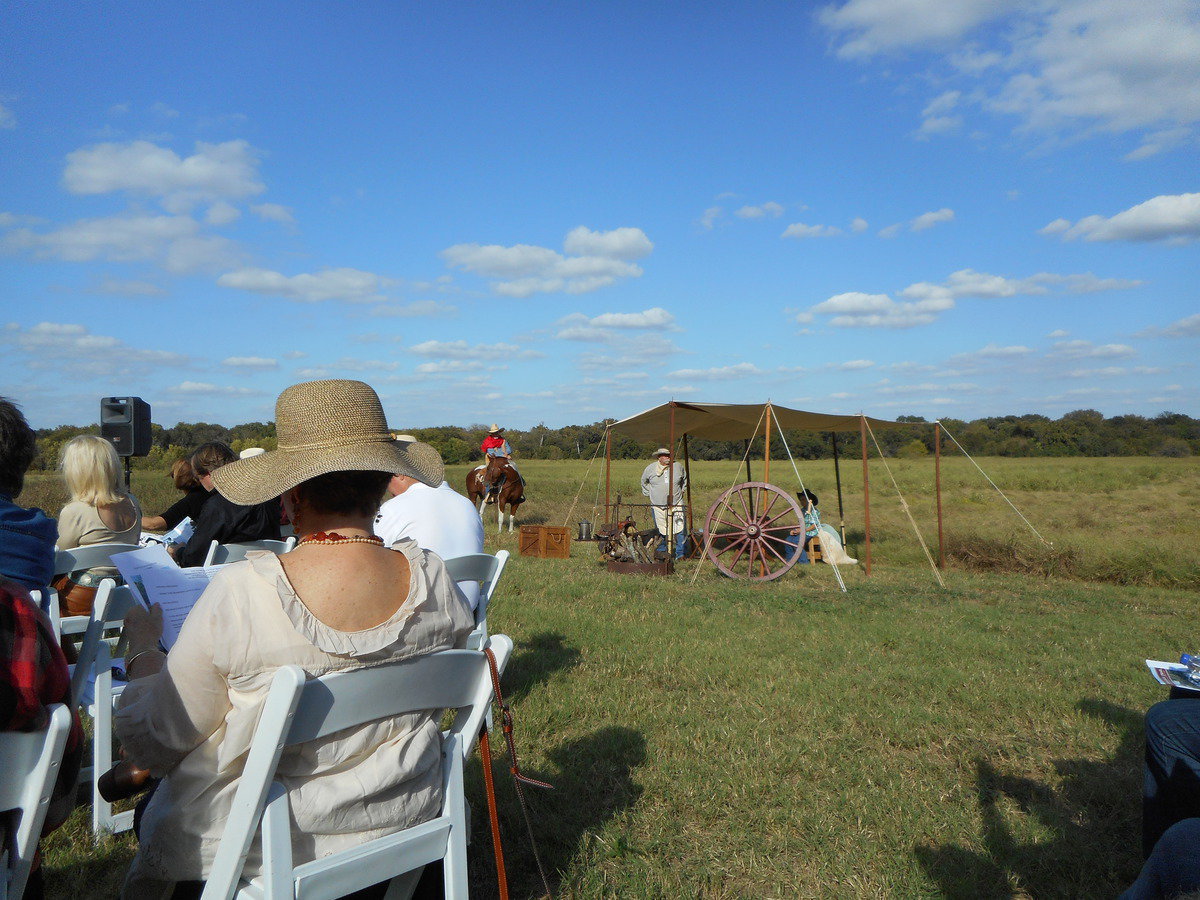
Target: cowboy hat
[
  {"x": 662, "y": 451},
  {"x": 322, "y": 427},
  {"x": 494, "y": 429}
]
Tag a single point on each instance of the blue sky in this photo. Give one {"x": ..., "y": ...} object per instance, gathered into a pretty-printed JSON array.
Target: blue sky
[{"x": 558, "y": 212}]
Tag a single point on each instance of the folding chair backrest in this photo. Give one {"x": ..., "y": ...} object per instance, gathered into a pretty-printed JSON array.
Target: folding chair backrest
[
  {"x": 29, "y": 764},
  {"x": 219, "y": 554},
  {"x": 80, "y": 558},
  {"x": 298, "y": 710},
  {"x": 486, "y": 569}
]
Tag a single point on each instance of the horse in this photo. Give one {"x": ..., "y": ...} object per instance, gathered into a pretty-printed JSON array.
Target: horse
[{"x": 506, "y": 486}]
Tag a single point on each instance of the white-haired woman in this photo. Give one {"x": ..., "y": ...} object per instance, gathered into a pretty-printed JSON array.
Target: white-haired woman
[{"x": 101, "y": 511}]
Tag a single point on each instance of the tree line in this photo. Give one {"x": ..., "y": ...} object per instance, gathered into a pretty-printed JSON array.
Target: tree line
[{"x": 1084, "y": 432}]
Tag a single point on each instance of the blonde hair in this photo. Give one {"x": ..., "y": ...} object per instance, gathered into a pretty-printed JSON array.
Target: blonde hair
[{"x": 91, "y": 469}]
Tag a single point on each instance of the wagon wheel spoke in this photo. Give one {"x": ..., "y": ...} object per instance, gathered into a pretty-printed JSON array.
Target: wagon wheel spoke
[
  {"x": 748, "y": 509},
  {"x": 765, "y": 509}
]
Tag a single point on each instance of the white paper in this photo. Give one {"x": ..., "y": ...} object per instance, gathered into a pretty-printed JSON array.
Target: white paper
[
  {"x": 181, "y": 533},
  {"x": 156, "y": 578},
  {"x": 1171, "y": 674}
]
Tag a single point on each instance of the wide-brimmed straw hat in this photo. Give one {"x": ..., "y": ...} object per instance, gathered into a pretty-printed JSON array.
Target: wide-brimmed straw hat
[
  {"x": 662, "y": 451},
  {"x": 494, "y": 428},
  {"x": 326, "y": 426}
]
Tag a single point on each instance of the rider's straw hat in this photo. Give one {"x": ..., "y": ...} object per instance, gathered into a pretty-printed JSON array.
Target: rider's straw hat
[
  {"x": 494, "y": 429},
  {"x": 326, "y": 426}
]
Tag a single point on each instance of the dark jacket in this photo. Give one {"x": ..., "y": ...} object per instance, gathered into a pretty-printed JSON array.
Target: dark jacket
[{"x": 225, "y": 522}]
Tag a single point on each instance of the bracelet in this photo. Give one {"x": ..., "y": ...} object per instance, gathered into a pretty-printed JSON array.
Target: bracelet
[{"x": 129, "y": 662}]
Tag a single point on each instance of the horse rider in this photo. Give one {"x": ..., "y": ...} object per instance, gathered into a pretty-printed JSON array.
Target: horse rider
[
  {"x": 496, "y": 445},
  {"x": 664, "y": 483}
]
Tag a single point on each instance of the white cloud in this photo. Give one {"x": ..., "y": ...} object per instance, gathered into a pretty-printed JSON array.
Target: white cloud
[
  {"x": 929, "y": 219},
  {"x": 193, "y": 388},
  {"x": 718, "y": 373},
  {"x": 71, "y": 351},
  {"x": 1104, "y": 372},
  {"x": 994, "y": 351},
  {"x": 855, "y": 365},
  {"x": 858, "y": 310},
  {"x": 710, "y": 217},
  {"x": 604, "y": 327},
  {"x": 214, "y": 172},
  {"x": 352, "y": 285},
  {"x": 294, "y": 354},
  {"x": 859, "y": 225},
  {"x": 633, "y": 353},
  {"x": 1087, "y": 350},
  {"x": 800, "y": 230},
  {"x": 1189, "y": 326},
  {"x": 161, "y": 109},
  {"x": 620, "y": 243},
  {"x": 8, "y": 119},
  {"x": 175, "y": 241},
  {"x": 936, "y": 117},
  {"x": 923, "y": 301},
  {"x": 222, "y": 213},
  {"x": 890, "y": 231},
  {"x": 875, "y": 26},
  {"x": 454, "y": 367},
  {"x": 462, "y": 350},
  {"x": 1059, "y": 66},
  {"x": 1169, "y": 217},
  {"x": 522, "y": 270},
  {"x": 250, "y": 362},
  {"x": 1058, "y": 333},
  {"x": 770, "y": 208},
  {"x": 274, "y": 212}
]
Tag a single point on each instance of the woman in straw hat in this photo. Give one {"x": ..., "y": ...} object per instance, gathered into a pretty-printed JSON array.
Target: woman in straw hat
[{"x": 339, "y": 600}]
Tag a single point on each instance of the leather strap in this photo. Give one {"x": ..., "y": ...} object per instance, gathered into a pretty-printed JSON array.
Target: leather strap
[
  {"x": 519, "y": 779},
  {"x": 485, "y": 754}
]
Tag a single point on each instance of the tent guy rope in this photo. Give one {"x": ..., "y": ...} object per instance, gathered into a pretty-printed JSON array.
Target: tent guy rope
[{"x": 837, "y": 573}]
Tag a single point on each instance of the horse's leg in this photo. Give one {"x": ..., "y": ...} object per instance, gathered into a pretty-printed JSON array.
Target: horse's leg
[{"x": 512, "y": 515}]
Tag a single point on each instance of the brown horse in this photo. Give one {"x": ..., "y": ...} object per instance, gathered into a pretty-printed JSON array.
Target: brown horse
[{"x": 506, "y": 488}]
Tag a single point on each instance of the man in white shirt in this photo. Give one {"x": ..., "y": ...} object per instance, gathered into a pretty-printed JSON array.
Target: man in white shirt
[{"x": 438, "y": 519}]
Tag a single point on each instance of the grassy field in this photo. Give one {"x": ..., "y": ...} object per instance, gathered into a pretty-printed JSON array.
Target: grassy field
[{"x": 717, "y": 739}]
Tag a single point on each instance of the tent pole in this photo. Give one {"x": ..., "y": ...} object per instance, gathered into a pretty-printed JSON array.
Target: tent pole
[
  {"x": 937, "y": 477},
  {"x": 607, "y": 472},
  {"x": 748, "y": 478},
  {"x": 767, "y": 448},
  {"x": 862, "y": 427},
  {"x": 687, "y": 473},
  {"x": 837, "y": 474}
]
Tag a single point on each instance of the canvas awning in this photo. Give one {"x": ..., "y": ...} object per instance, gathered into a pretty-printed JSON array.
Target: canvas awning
[{"x": 732, "y": 421}]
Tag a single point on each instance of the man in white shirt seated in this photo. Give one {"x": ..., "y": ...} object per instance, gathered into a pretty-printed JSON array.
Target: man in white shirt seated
[{"x": 437, "y": 518}]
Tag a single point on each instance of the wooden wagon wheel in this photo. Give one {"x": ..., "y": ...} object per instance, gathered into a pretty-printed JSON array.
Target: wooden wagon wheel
[{"x": 747, "y": 531}]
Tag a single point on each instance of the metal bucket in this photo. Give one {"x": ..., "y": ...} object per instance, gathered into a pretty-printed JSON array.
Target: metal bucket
[{"x": 585, "y": 531}]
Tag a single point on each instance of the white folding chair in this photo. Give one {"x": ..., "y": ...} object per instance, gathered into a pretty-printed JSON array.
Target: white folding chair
[
  {"x": 486, "y": 569},
  {"x": 29, "y": 764},
  {"x": 298, "y": 710},
  {"x": 219, "y": 554},
  {"x": 109, "y": 611}
]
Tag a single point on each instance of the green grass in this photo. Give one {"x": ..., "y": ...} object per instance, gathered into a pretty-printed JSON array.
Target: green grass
[{"x": 721, "y": 739}]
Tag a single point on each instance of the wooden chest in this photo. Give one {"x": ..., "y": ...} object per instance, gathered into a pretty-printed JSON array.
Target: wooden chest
[{"x": 547, "y": 541}]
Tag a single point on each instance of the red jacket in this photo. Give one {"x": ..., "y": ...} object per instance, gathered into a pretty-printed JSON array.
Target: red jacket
[{"x": 490, "y": 442}]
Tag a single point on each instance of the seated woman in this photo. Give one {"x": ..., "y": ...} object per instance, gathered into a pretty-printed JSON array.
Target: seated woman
[
  {"x": 26, "y": 535},
  {"x": 186, "y": 507},
  {"x": 340, "y": 600},
  {"x": 101, "y": 511},
  {"x": 222, "y": 519}
]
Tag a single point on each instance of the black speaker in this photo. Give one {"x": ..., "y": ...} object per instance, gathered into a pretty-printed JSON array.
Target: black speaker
[{"x": 126, "y": 422}]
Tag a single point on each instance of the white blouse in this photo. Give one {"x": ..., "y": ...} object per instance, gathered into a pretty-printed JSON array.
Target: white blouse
[{"x": 193, "y": 722}]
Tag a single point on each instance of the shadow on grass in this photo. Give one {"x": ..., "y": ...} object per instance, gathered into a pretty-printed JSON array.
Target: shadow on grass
[
  {"x": 536, "y": 659},
  {"x": 531, "y": 519},
  {"x": 1092, "y": 819},
  {"x": 592, "y": 778}
]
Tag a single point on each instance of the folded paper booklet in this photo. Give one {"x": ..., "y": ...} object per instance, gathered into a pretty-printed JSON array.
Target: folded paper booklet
[
  {"x": 155, "y": 577},
  {"x": 1172, "y": 674}
]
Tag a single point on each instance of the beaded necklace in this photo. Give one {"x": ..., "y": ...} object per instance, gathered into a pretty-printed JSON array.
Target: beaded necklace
[{"x": 332, "y": 537}]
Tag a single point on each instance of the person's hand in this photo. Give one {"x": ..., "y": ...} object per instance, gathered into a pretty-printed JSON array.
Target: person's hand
[{"x": 143, "y": 628}]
